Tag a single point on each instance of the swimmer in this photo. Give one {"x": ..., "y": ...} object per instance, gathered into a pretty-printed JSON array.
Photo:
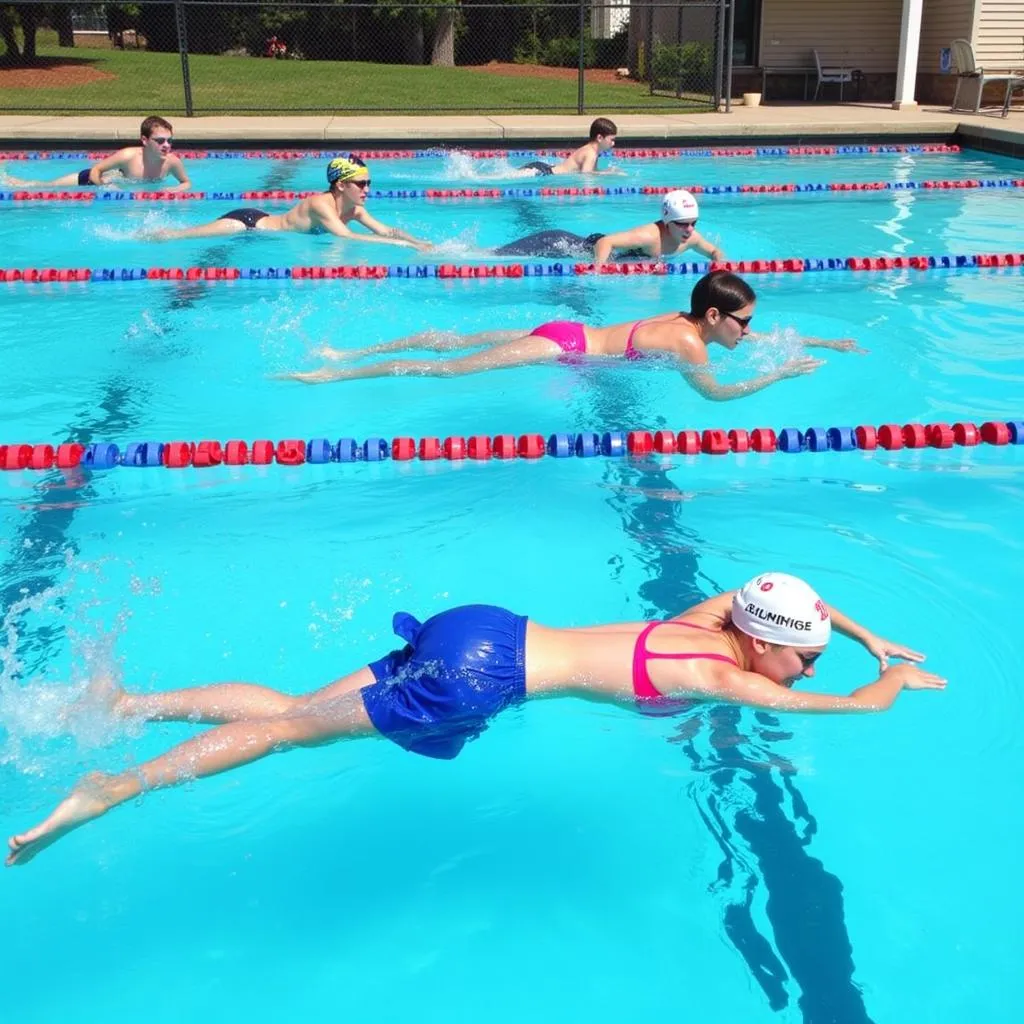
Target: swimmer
[
  {"x": 465, "y": 665},
  {"x": 581, "y": 161},
  {"x": 721, "y": 309},
  {"x": 330, "y": 212},
  {"x": 152, "y": 161},
  {"x": 673, "y": 234}
]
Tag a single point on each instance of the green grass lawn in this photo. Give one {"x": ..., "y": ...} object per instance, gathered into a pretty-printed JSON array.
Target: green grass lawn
[{"x": 148, "y": 82}]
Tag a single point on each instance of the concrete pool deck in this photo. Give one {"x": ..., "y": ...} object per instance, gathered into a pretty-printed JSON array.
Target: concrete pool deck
[{"x": 802, "y": 121}]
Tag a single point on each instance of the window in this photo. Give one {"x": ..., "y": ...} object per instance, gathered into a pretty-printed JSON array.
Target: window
[{"x": 745, "y": 29}]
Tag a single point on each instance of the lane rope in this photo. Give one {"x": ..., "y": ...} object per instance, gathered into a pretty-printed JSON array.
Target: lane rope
[{"x": 482, "y": 447}]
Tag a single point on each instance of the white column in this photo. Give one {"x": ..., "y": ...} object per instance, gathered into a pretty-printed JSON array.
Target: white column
[{"x": 910, "y": 43}]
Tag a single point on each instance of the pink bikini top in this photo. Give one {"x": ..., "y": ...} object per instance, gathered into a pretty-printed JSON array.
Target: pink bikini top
[
  {"x": 632, "y": 352},
  {"x": 643, "y": 688}
]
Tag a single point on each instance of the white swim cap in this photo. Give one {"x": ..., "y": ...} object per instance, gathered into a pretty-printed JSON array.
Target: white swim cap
[
  {"x": 783, "y": 610},
  {"x": 679, "y": 205}
]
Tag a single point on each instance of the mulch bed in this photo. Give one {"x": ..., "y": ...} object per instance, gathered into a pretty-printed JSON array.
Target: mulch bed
[{"x": 52, "y": 73}]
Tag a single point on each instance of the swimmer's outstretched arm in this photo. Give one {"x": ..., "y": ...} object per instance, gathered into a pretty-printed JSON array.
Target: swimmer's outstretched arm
[
  {"x": 177, "y": 169},
  {"x": 645, "y": 236},
  {"x": 709, "y": 249},
  {"x": 719, "y": 607},
  {"x": 217, "y": 750},
  {"x": 735, "y": 686},
  {"x": 835, "y": 344},
  {"x": 706, "y": 385},
  {"x": 883, "y": 650},
  {"x": 369, "y": 221}
]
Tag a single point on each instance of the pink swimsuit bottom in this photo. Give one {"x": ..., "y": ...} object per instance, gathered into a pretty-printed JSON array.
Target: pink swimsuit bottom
[{"x": 571, "y": 337}]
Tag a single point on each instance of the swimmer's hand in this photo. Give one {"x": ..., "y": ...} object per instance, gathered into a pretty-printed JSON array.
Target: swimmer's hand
[
  {"x": 798, "y": 367},
  {"x": 836, "y": 344},
  {"x": 883, "y": 650},
  {"x": 423, "y": 246},
  {"x": 910, "y": 677}
]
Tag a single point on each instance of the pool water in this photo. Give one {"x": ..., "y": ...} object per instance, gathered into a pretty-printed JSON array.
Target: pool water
[{"x": 578, "y": 861}]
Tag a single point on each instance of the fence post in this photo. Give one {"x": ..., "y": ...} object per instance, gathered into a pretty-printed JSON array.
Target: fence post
[
  {"x": 186, "y": 80},
  {"x": 719, "y": 61},
  {"x": 728, "y": 56},
  {"x": 583, "y": 61}
]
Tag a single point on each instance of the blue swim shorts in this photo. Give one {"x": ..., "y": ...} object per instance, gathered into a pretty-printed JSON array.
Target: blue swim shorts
[{"x": 458, "y": 670}]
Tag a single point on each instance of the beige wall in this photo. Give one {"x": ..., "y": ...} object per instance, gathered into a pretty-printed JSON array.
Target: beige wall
[
  {"x": 862, "y": 34},
  {"x": 942, "y": 21},
  {"x": 999, "y": 35}
]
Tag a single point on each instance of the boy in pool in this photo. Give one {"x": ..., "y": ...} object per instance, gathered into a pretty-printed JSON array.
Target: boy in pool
[
  {"x": 150, "y": 161},
  {"x": 330, "y": 212},
  {"x": 581, "y": 161},
  {"x": 464, "y": 666},
  {"x": 673, "y": 234}
]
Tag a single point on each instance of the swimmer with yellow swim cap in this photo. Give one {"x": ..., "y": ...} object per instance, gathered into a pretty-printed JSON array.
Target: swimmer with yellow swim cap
[
  {"x": 330, "y": 212},
  {"x": 449, "y": 676}
]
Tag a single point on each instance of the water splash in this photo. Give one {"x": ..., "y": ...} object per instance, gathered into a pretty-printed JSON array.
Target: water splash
[
  {"x": 48, "y": 720},
  {"x": 463, "y": 167},
  {"x": 133, "y": 229}
]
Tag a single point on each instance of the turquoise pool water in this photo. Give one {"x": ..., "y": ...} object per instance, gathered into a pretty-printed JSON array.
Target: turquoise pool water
[{"x": 578, "y": 862}]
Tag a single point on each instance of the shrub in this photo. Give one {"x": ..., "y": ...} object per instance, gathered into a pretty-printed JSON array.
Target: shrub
[{"x": 681, "y": 65}]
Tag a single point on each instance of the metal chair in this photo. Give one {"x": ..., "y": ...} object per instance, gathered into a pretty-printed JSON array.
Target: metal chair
[
  {"x": 967, "y": 70},
  {"x": 831, "y": 76}
]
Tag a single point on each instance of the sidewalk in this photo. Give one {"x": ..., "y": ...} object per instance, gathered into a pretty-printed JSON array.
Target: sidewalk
[{"x": 803, "y": 121}]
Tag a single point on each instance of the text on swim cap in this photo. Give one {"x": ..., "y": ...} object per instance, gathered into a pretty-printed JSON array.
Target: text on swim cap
[{"x": 779, "y": 620}]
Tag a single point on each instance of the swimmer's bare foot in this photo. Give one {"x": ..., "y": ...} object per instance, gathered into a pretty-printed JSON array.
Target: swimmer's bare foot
[
  {"x": 309, "y": 376},
  {"x": 92, "y": 797},
  {"x": 326, "y": 352},
  {"x": 103, "y": 694}
]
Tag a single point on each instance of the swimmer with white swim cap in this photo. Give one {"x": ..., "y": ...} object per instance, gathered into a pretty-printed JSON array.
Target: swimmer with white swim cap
[
  {"x": 672, "y": 234},
  {"x": 675, "y": 232},
  {"x": 449, "y": 676}
]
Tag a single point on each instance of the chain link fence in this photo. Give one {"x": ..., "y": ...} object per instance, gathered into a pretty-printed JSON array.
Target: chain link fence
[{"x": 370, "y": 55}]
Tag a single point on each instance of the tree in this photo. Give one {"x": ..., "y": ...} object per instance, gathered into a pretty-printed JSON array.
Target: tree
[
  {"x": 28, "y": 15},
  {"x": 442, "y": 50},
  {"x": 60, "y": 19}
]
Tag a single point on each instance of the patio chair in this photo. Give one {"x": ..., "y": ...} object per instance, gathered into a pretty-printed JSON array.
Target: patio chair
[
  {"x": 968, "y": 70},
  {"x": 831, "y": 76}
]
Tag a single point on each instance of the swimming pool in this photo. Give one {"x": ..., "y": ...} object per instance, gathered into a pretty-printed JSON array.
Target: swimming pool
[{"x": 578, "y": 861}]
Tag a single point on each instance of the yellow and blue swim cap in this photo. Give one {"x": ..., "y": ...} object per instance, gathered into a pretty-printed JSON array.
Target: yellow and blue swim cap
[{"x": 346, "y": 168}]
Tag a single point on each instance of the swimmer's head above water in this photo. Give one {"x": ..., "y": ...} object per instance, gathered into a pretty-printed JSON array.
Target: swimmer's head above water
[
  {"x": 783, "y": 625},
  {"x": 349, "y": 177},
  {"x": 679, "y": 213},
  {"x": 156, "y": 135},
  {"x": 722, "y": 304},
  {"x": 603, "y": 132}
]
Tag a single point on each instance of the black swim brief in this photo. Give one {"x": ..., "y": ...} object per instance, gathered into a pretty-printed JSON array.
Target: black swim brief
[
  {"x": 552, "y": 244},
  {"x": 539, "y": 166},
  {"x": 83, "y": 177},
  {"x": 247, "y": 215}
]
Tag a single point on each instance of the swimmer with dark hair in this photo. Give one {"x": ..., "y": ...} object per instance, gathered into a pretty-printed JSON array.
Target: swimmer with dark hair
[
  {"x": 671, "y": 235},
  {"x": 721, "y": 309},
  {"x": 150, "y": 161},
  {"x": 581, "y": 161},
  {"x": 458, "y": 670},
  {"x": 330, "y": 212}
]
